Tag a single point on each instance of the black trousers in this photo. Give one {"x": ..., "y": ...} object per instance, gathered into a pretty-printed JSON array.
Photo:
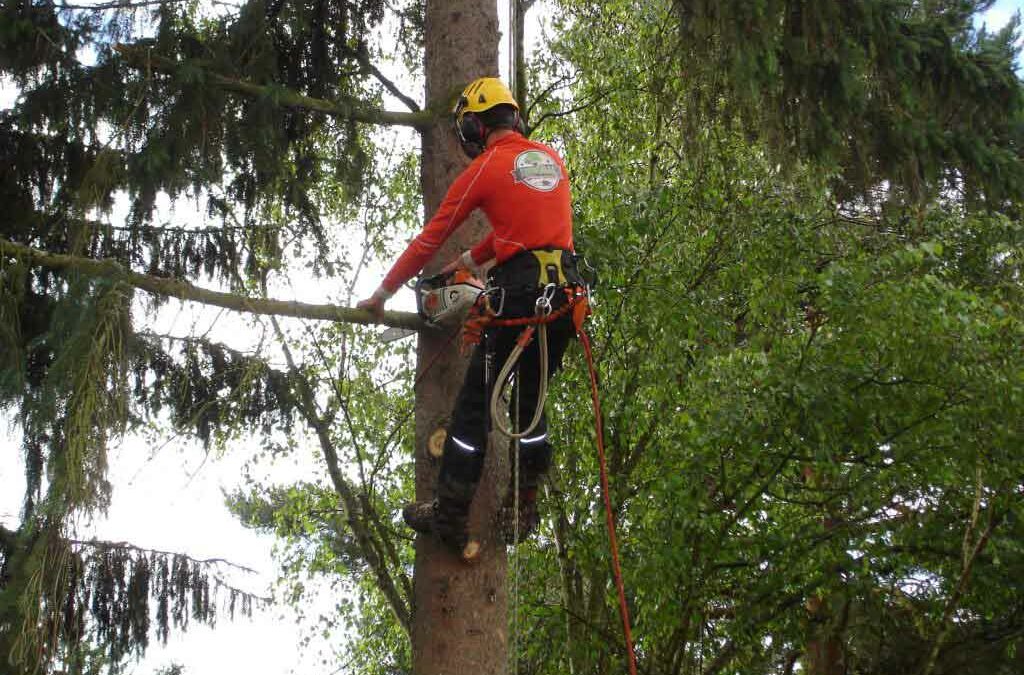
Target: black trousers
[{"x": 466, "y": 444}]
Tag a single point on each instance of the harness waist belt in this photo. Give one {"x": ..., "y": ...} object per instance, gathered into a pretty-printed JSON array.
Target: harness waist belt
[{"x": 535, "y": 269}]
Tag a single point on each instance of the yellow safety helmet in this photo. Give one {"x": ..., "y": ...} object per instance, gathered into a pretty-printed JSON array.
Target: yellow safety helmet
[{"x": 481, "y": 94}]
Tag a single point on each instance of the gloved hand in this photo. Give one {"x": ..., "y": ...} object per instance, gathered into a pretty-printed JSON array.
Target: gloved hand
[
  {"x": 463, "y": 262},
  {"x": 375, "y": 303}
]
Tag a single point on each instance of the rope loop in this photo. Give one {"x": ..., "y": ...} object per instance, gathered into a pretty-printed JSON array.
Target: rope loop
[{"x": 482, "y": 316}]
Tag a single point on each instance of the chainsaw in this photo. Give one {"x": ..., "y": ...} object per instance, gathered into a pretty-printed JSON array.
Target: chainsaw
[
  {"x": 445, "y": 299},
  {"x": 441, "y": 300}
]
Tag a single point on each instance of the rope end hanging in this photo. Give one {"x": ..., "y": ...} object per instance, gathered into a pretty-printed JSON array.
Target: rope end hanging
[{"x": 609, "y": 514}]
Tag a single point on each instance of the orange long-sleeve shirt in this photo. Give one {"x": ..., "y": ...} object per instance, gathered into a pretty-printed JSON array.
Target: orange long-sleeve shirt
[{"x": 523, "y": 189}]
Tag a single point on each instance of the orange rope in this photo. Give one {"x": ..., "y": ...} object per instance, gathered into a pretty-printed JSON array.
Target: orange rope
[
  {"x": 481, "y": 316},
  {"x": 609, "y": 518}
]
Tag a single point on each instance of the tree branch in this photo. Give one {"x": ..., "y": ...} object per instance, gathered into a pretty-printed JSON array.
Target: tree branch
[
  {"x": 7, "y": 539},
  {"x": 125, "y": 546},
  {"x": 128, "y": 4},
  {"x": 970, "y": 556},
  {"x": 346, "y": 493},
  {"x": 142, "y": 57},
  {"x": 175, "y": 288}
]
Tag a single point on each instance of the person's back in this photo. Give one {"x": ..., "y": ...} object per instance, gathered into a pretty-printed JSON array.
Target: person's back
[
  {"x": 524, "y": 192},
  {"x": 523, "y": 189}
]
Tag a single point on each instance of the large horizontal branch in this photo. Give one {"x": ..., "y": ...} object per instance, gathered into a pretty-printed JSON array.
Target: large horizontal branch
[
  {"x": 174, "y": 288},
  {"x": 142, "y": 57}
]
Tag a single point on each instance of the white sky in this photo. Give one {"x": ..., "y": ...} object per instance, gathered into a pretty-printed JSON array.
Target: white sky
[{"x": 170, "y": 497}]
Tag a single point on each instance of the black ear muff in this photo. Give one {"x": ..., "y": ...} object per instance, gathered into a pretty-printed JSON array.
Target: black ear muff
[
  {"x": 472, "y": 134},
  {"x": 471, "y": 129}
]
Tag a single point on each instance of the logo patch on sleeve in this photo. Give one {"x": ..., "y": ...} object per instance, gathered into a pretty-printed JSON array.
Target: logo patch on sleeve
[{"x": 537, "y": 170}]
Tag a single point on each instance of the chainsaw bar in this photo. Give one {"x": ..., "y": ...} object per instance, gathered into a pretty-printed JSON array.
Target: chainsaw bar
[{"x": 394, "y": 334}]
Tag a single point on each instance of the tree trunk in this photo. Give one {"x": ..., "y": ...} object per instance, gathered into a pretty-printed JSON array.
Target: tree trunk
[{"x": 460, "y": 612}]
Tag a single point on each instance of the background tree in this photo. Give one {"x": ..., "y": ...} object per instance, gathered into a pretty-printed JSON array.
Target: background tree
[{"x": 789, "y": 350}]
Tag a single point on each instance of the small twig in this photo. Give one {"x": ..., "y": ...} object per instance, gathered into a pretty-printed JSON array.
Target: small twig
[{"x": 564, "y": 113}]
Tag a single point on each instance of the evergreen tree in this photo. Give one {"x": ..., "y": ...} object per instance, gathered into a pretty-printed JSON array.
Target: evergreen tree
[
  {"x": 123, "y": 103},
  {"x": 899, "y": 92}
]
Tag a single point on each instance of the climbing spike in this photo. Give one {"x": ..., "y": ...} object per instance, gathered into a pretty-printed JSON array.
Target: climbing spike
[{"x": 436, "y": 443}]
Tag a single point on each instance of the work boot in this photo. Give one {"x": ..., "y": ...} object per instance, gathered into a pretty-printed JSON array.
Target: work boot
[
  {"x": 420, "y": 516},
  {"x": 528, "y": 517},
  {"x": 429, "y": 518},
  {"x": 534, "y": 461},
  {"x": 450, "y": 519}
]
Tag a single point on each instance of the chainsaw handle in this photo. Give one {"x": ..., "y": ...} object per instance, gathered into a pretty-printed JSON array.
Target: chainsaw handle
[
  {"x": 428, "y": 283},
  {"x": 434, "y": 281}
]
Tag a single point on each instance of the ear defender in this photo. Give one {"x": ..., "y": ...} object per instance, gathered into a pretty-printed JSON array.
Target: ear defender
[
  {"x": 472, "y": 129},
  {"x": 479, "y": 96},
  {"x": 471, "y": 133}
]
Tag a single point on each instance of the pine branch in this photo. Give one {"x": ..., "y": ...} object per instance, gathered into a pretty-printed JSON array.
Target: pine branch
[
  {"x": 364, "y": 61},
  {"x": 174, "y": 288},
  {"x": 7, "y": 539},
  {"x": 180, "y": 229},
  {"x": 125, "y": 546},
  {"x": 119, "y": 4},
  {"x": 142, "y": 57}
]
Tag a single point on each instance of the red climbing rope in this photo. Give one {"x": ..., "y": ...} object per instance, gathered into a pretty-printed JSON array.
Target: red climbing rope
[
  {"x": 609, "y": 518},
  {"x": 480, "y": 318}
]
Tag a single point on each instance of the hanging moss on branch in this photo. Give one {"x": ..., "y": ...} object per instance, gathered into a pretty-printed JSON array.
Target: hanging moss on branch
[{"x": 107, "y": 593}]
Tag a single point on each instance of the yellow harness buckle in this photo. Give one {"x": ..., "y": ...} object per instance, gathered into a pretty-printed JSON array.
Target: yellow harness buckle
[{"x": 550, "y": 266}]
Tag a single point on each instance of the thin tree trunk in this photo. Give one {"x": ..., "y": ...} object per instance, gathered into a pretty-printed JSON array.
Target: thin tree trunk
[{"x": 460, "y": 611}]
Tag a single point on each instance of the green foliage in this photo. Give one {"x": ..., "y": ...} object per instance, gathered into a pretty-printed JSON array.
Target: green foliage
[
  {"x": 92, "y": 130},
  {"x": 324, "y": 534},
  {"x": 809, "y": 400},
  {"x": 887, "y": 90},
  {"x": 805, "y": 218}
]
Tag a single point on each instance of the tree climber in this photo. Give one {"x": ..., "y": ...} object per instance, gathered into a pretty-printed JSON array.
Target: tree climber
[{"x": 523, "y": 189}]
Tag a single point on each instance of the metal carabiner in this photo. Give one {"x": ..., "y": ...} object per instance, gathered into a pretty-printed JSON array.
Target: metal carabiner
[
  {"x": 543, "y": 303},
  {"x": 498, "y": 291}
]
